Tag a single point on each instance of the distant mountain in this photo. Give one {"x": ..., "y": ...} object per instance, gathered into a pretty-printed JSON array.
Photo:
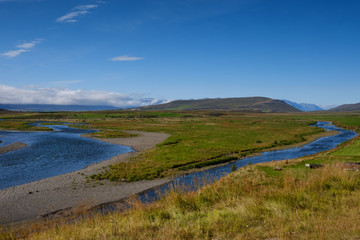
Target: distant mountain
[
  {"x": 346, "y": 108},
  {"x": 306, "y": 107},
  {"x": 53, "y": 108},
  {"x": 252, "y": 104}
]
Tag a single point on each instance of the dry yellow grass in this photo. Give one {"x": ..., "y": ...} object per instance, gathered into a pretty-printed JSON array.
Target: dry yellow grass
[{"x": 251, "y": 203}]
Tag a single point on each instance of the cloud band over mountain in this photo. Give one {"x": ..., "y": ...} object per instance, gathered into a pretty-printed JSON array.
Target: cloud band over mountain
[{"x": 12, "y": 95}]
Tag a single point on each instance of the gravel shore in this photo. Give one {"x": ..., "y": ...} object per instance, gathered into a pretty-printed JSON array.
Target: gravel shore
[
  {"x": 36, "y": 199},
  {"x": 12, "y": 147}
]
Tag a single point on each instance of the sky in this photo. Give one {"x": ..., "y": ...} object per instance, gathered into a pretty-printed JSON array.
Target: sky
[{"x": 126, "y": 53}]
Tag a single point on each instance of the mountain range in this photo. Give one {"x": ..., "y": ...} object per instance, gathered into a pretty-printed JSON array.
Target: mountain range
[{"x": 249, "y": 104}]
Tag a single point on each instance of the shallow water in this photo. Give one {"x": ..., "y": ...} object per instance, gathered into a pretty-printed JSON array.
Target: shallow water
[
  {"x": 196, "y": 180},
  {"x": 51, "y": 153}
]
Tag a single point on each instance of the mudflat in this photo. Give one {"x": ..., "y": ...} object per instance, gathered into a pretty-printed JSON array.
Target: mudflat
[{"x": 71, "y": 191}]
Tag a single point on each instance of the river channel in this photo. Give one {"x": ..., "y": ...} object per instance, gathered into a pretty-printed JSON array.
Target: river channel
[
  {"x": 63, "y": 150},
  {"x": 52, "y": 153}
]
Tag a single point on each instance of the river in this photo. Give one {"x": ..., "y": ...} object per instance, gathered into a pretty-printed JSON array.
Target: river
[{"x": 52, "y": 153}]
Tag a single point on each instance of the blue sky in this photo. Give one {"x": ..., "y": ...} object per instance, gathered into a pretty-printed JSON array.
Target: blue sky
[{"x": 122, "y": 52}]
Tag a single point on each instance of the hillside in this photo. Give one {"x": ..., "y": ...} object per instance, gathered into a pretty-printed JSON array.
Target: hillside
[
  {"x": 4, "y": 111},
  {"x": 346, "y": 108},
  {"x": 306, "y": 107},
  {"x": 251, "y": 104}
]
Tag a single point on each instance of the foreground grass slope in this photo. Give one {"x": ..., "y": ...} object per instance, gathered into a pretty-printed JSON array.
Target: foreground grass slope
[{"x": 255, "y": 202}]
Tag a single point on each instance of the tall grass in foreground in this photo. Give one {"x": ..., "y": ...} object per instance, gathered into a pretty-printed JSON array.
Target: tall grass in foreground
[{"x": 249, "y": 204}]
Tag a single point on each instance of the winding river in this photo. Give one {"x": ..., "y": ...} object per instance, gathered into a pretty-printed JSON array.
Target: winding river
[
  {"x": 63, "y": 150},
  {"x": 197, "y": 179}
]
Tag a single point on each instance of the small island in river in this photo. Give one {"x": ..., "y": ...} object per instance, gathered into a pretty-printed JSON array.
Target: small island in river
[{"x": 12, "y": 147}]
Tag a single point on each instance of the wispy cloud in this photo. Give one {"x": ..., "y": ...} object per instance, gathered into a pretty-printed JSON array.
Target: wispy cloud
[
  {"x": 85, "y": 7},
  {"x": 29, "y": 45},
  {"x": 76, "y": 12},
  {"x": 125, "y": 58},
  {"x": 22, "y": 47},
  {"x": 14, "y": 53},
  {"x": 12, "y": 95}
]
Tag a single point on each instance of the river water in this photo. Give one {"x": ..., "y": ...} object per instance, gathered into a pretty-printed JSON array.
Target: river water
[{"x": 49, "y": 154}]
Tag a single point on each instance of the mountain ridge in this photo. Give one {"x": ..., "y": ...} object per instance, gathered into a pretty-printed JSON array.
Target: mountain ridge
[
  {"x": 306, "y": 107},
  {"x": 346, "y": 108},
  {"x": 252, "y": 104}
]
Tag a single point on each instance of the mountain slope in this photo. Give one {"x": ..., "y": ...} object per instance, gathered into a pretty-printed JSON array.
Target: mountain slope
[
  {"x": 306, "y": 107},
  {"x": 253, "y": 104},
  {"x": 346, "y": 108}
]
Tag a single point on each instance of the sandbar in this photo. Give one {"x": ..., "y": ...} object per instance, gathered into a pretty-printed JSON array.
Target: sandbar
[{"x": 12, "y": 147}]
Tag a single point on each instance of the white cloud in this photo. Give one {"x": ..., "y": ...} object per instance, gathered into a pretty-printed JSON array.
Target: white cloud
[
  {"x": 69, "y": 17},
  {"x": 75, "y": 12},
  {"x": 72, "y": 20},
  {"x": 84, "y": 7},
  {"x": 14, "y": 53},
  {"x": 125, "y": 58},
  {"x": 23, "y": 47},
  {"x": 12, "y": 95},
  {"x": 28, "y": 45}
]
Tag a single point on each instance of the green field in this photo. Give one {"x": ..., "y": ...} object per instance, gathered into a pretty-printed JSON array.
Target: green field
[
  {"x": 20, "y": 126},
  {"x": 351, "y": 151}
]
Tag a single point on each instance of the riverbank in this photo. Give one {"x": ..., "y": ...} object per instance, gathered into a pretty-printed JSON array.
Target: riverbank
[
  {"x": 71, "y": 191},
  {"x": 12, "y": 147}
]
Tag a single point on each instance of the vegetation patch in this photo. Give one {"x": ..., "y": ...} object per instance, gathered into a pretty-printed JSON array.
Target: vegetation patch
[
  {"x": 352, "y": 150},
  {"x": 112, "y": 134},
  {"x": 21, "y": 126}
]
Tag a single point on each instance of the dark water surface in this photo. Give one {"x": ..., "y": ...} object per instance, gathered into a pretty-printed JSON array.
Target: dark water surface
[
  {"x": 51, "y": 153},
  {"x": 195, "y": 180}
]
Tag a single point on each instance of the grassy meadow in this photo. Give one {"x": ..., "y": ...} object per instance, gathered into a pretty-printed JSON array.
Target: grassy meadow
[{"x": 254, "y": 202}]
